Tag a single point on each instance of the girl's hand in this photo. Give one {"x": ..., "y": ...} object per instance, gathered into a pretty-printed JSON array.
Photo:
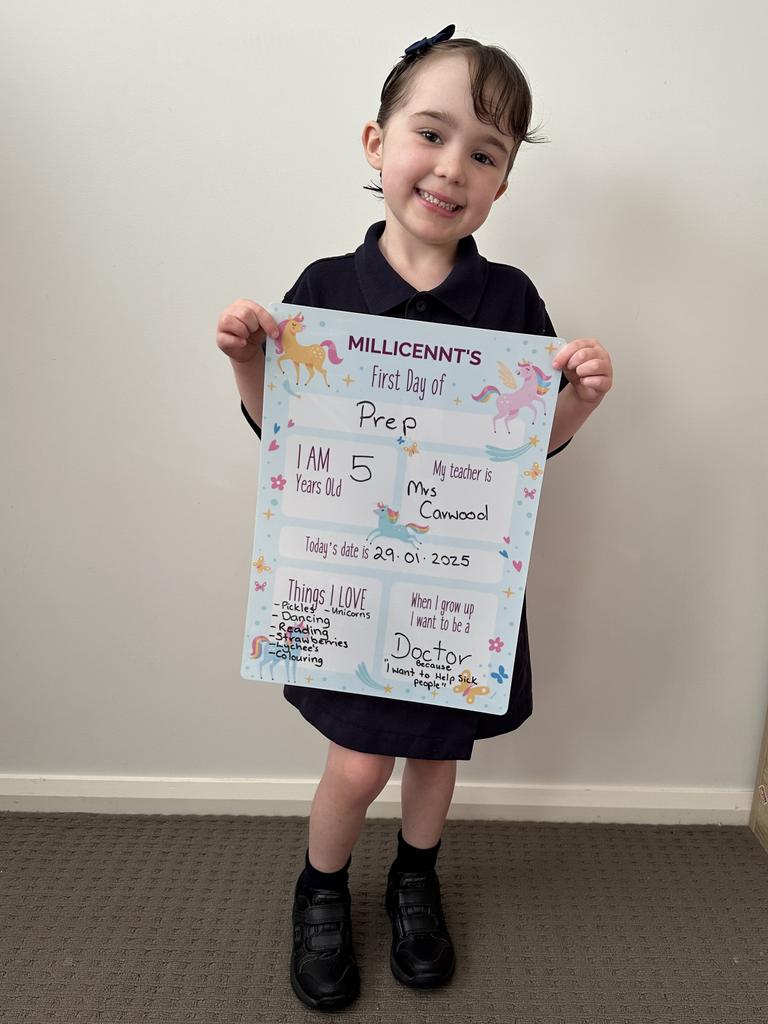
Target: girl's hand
[
  {"x": 241, "y": 329},
  {"x": 587, "y": 367}
]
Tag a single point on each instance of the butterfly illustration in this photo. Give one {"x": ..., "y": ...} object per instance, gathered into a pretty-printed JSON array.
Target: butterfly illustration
[
  {"x": 401, "y": 440},
  {"x": 467, "y": 687},
  {"x": 412, "y": 449},
  {"x": 528, "y": 493},
  {"x": 534, "y": 471},
  {"x": 260, "y": 586},
  {"x": 261, "y": 565},
  {"x": 500, "y": 676}
]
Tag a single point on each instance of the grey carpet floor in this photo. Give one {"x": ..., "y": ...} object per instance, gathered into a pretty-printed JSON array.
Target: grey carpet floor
[{"x": 153, "y": 918}]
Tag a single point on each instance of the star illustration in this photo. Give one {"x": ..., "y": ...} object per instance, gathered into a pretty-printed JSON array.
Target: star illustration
[
  {"x": 508, "y": 592},
  {"x": 434, "y": 692},
  {"x": 309, "y": 680},
  {"x": 457, "y": 400},
  {"x": 387, "y": 689},
  {"x": 348, "y": 380},
  {"x": 271, "y": 386},
  {"x": 268, "y": 514},
  {"x": 551, "y": 347},
  {"x": 533, "y": 440}
]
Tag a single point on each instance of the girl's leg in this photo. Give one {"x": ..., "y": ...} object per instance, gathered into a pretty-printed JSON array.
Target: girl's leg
[
  {"x": 426, "y": 793},
  {"x": 423, "y": 959},
  {"x": 351, "y": 782}
]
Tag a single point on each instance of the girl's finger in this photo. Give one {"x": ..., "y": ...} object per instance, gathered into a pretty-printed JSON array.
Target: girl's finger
[
  {"x": 562, "y": 357},
  {"x": 251, "y": 315},
  {"x": 269, "y": 325},
  {"x": 230, "y": 342},
  {"x": 600, "y": 384},
  {"x": 591, "y": 366},
  {"x": 565, "y": 354},
  {"x": 581, "y": 356},
  {"x": 254, "y": 320},
  {"x": 230, "y": 323},
  {"x": 264, "y": 320}
]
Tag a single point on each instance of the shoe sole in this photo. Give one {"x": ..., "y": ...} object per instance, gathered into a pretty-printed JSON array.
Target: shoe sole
[{"x": 326, "y": 1003}]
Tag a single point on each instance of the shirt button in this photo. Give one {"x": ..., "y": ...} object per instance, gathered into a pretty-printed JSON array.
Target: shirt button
[{"x": 421, "y": 306}]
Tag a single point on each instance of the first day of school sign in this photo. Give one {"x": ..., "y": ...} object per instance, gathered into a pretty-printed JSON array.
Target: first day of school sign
[{"x": 401, "y": 471}]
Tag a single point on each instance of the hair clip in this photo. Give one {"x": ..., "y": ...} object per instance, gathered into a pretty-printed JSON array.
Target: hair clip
[
  {"x": 412, "y": 52},
  {"x": 420, "y": 47}
]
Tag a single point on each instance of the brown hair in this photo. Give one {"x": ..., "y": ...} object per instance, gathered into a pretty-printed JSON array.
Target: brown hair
[{"x": 507, "y": 105}]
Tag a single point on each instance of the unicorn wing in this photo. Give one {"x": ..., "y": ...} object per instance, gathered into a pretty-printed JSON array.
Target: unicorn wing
[
  {"x": 392, "y": 515},
  {"x": 507, "y": 376}
]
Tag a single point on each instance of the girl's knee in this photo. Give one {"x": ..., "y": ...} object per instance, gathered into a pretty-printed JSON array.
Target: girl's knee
[{"x": 365, "y": 774}]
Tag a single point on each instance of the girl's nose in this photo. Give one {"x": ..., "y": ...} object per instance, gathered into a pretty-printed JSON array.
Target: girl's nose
[{"x": 450, "y": 165}]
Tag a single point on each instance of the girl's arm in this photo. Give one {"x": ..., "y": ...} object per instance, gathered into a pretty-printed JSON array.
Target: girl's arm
[
  {"x": 587, "y": 367},
  {"x": 249, "y": 378},
  {"x": 241, "y": 333},
  {"x": 570, "y": 414}
]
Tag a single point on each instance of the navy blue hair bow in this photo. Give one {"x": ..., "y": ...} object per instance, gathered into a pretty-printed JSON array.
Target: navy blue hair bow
[
  {"x": 412, "y": 52},
  {"x": 420, "y": 47}
]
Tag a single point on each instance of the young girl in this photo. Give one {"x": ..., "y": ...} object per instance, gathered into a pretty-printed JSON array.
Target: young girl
[{"x": 452, "y": 117}]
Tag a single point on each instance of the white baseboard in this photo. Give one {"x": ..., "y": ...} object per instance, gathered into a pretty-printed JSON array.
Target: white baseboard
[{"x": 476, "y": 801}]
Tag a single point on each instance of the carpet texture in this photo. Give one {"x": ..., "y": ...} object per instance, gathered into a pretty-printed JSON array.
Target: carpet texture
[{"x": 145, "y": 919}]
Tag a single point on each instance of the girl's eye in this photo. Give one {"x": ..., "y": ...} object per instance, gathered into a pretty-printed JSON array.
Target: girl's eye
[{"x": 430, "y": 136}]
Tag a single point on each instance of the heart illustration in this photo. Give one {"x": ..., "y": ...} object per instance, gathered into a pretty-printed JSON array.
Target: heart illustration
[
  {"x": 290, "y": 423},
  {"x": 273, "y": 445},
  {"x": 517, "y": 565},
  {"x": 504, "y": 554},
  {"x": 276, "y": 427},
  {"x": 505, "y": 539}
]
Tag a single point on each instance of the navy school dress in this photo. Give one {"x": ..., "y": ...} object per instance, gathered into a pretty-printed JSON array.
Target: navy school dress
[{"x": 476, "y": 293}]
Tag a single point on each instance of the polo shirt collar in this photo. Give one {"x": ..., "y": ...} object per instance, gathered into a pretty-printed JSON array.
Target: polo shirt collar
[{"x": 383, "y": 288}]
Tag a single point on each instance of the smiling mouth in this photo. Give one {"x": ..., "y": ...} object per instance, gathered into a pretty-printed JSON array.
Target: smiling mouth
[{"x": 451, "y": 207}]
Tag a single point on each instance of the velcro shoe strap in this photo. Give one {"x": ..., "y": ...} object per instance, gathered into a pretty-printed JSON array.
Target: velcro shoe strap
[
  {"x": 329, "y": 913},
  {"x": 413, "y": 897},
  {"x": 324, "y": 940},
  {"x": 412, "y": 923}
]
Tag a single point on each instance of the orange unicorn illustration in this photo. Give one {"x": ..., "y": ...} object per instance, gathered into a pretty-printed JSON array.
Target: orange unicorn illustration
[{"x": 312, "y": 356}]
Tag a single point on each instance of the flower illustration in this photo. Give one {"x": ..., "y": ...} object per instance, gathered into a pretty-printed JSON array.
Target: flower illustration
[
  {"x": 495, "y": 644},
  {"x": 278, "y": 482}
]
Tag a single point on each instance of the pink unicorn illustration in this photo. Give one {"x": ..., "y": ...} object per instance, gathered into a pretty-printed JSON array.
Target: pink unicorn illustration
[
  {"x": 312, "y": 356},
  {"x": 535, "y": 384}
]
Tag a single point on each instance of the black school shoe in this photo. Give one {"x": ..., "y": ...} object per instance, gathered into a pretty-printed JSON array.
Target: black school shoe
[
  {"x": 422, "y": 953},
  {"x": 324, "y": 973}
]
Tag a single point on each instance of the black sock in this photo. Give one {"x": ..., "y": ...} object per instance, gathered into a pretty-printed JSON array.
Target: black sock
[
  {"x": 411, "y": 858},
  {"x": 314, "y": 879}
]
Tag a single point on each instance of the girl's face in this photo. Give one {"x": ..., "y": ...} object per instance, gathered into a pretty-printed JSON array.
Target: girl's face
[{"x": 441, "y": 168}]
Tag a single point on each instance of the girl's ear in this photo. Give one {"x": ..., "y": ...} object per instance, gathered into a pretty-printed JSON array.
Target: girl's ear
[
  {"x": 502, "y": 190},
  {"x": 372, "y": 143}
]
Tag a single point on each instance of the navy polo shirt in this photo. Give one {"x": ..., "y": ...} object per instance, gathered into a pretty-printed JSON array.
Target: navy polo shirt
[{"x": 476, "y": 293}]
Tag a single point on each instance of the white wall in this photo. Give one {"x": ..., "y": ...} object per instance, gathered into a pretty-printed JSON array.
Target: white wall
[{"x": 163, "y": 159}]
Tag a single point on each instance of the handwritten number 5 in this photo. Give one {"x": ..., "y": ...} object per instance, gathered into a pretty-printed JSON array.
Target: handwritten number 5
[{"x": 357, "y": 479}]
